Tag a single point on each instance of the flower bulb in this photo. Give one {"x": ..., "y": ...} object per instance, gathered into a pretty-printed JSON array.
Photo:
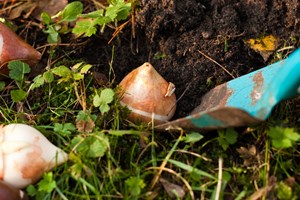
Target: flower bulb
[
  {"x": 148, "y": 95},
  {"x": 12, "y": 47},
  {"x": 25, "y": 154}
]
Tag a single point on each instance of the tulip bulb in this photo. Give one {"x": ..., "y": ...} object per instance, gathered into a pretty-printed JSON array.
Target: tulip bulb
[
  {"x": 12, "y": 47},
  {"x": 9, "y": 193},
  {"x": 25, "y": 154},
  {"x": 148, "y": 95}
]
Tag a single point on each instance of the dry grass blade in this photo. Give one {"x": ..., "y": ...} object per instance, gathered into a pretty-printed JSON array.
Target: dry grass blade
[
  {"x": 7, "y": 8},
  {"x": 186, "y": 183},
  {"x": 118, "y": 30},
  {"x": 165, "y": 161},
  {"x": 219, "y": 185},
  {"x": 194, "y": 154}
]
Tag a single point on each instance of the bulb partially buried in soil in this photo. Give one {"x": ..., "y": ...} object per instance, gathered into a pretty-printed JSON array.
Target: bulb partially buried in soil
[
  {"x": 25, "y": 154},
  {"x": 148, "y": 95},
  {"x": 12, "y": 47}
]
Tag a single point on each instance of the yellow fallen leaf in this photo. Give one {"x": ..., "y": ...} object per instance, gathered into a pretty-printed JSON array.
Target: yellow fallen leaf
[{"x": 264, "y": 46}]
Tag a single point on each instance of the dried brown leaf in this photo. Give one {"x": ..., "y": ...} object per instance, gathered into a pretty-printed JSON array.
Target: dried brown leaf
[
  {"x": 25, "y": 7},
  {"x": 173, "y": 190},
  {"x": 262, "y": 192},
  {"x": 85, "y": 126},
  {"x": 52, "y": 7},
  {"x": 36, "y": 7},
  {"x": 249, "y": 155}
]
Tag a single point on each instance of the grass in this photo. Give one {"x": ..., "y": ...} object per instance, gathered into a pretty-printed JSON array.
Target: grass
[{"x": 111, "y": 158}]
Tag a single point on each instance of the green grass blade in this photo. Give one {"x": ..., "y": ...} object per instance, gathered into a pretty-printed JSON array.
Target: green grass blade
[{"x": 191, "y": 169}]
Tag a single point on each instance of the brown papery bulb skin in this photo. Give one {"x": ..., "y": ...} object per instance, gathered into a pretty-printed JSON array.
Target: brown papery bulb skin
[
  {"x": 7, "y": 192},
  {"x": 144, "y": 93},
  {"x": 12, "y": 47}
]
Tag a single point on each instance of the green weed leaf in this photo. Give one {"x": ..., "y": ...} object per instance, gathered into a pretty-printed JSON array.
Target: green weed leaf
[
  {"x": 227, "y": 137},
  {"x": 18, "y": 95},
  {"x": 98, "y": 147},
  {"x": 17, "y": 70},
  {"x": 76, "y": 170},
  {"x": 85, "y": 116},
  {"x": 78, "y": 76},
  {"x": 93, "y": 145},
  {"x": 118, "y": 10},
  {"x": 48, "y": 76},
  {"x": 284, "y": 192},
  {"x": 231, "y": 136},
  {"x": 31, "y": 190},
  {"x": 62, "y": 71},
  {"x": 85, "y": 68},
  {"x": 86, "y": 27},
  {"x": 47, "y": 184},
  {"x": 102, "y": 101},
  {"x": 64, "y": 129},
  {"x": 283, "y": 137},
  {"x": 76, "y": 142},
  {"x": 38, "y": 81},
  {"x": 93, "y": 14},
  {"x": 103, "y": 20},
  {"x": 135, "y": 185},
  {"x": 71, "y": 11},
  {"x": 192, "y": 137},
  {"x": 191, "y": 169},
  {"x": 53, "y": 35},
  {"x": 46, "y": 18},
  {"x": 2, "y": 85}
]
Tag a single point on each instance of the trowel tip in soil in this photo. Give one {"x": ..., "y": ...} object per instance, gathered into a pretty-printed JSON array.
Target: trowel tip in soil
[
  {"x": 218, "y": 118},
  {"x": 246, "y": 100}
]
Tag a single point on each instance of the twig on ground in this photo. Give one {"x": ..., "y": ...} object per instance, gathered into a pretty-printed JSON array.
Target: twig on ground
[
  {"x": 186, "y": 183},
  {"x": 165, "y": 161},
  {"x": 209, "y": 58},
  {"x": 219, "y": 186}
]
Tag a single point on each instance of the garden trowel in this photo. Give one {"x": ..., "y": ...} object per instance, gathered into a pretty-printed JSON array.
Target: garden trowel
[{"x": 244, "y": 101}]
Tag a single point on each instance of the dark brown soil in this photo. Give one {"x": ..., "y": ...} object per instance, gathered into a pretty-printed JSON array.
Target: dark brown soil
[
  {"x": 170, "y": 34},
  {"x": 178, "y": 30}
]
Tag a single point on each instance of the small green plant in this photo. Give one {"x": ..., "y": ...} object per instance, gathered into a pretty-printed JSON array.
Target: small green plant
[
  {"x": 93, "y": 145},
  {"x": 283, "y": 137},
  {"x": 45, "y": 186},
  {"x": 69, "y": 14},
  {"x": 64, "y": 129},
  {"x": 192, "y": 137},
  {"x": 86, "y": 24},
  {"x": 104, "y": 99},
  {"x": 17, "y": 72},
  {"x": 284, "y": 192},
  {"x": 227, "y": 137},
  {"x": 134, "y": 186},
  {"x": 116, "y": 11}
]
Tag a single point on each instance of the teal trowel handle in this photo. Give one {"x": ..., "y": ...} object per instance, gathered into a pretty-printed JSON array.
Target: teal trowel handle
[
  {"x": 287, "y": 81},
  {"x": 285, "y": 84}
]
